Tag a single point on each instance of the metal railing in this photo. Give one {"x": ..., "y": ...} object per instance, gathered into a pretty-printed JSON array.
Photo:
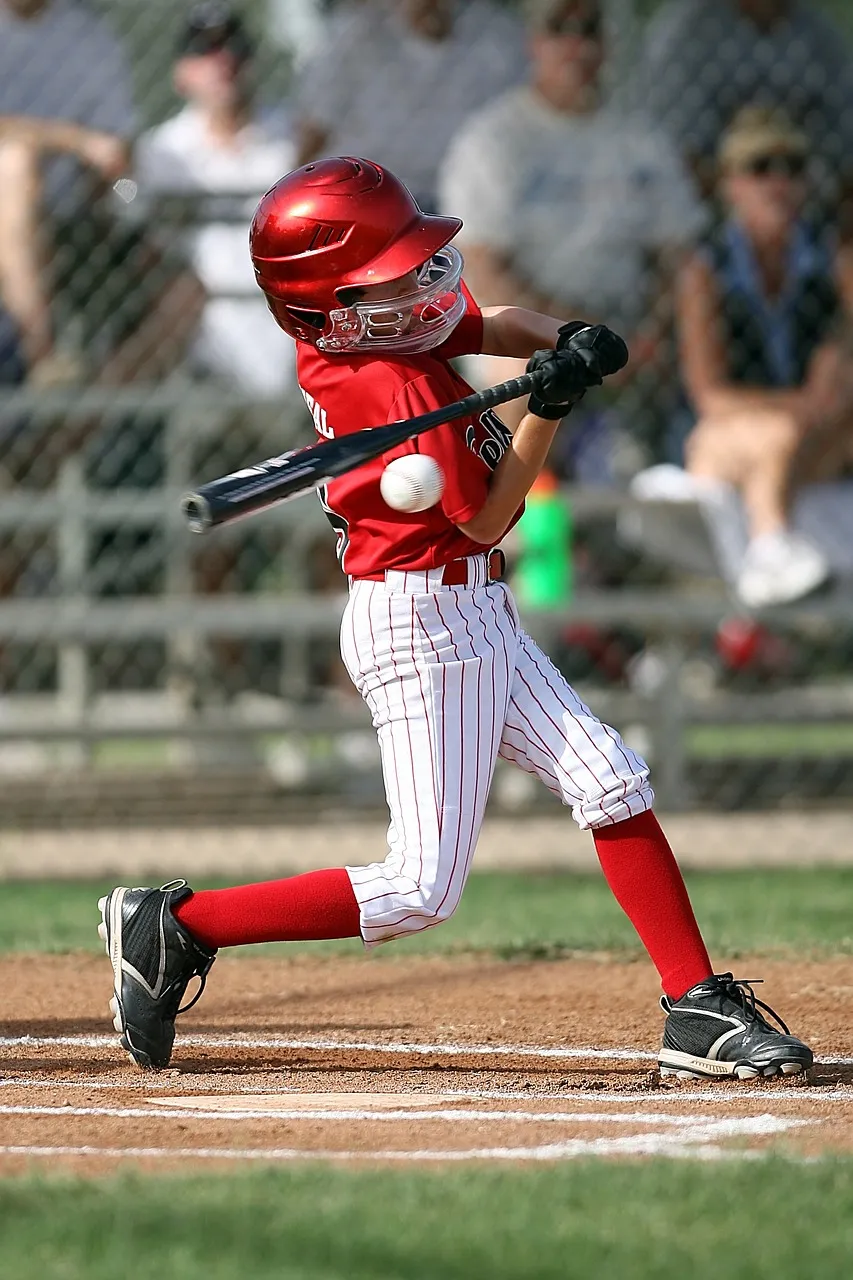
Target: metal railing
[{"x": 75, "y": 621}]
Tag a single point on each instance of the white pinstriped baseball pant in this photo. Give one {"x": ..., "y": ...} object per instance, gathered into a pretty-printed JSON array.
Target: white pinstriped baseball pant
[{"x": 453, "y": 682}]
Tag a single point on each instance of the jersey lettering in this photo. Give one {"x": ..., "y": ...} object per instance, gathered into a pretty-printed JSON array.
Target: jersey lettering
[
  {"x": 488, "y": 438},
  {"x": 338, "y": 523},
  {"x": 321, "y": 425}
]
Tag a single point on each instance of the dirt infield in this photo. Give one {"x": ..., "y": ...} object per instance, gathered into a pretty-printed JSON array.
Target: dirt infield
[{"x": 399, "y": 1059}]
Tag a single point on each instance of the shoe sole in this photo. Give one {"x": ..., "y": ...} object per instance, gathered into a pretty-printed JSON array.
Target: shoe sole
[
  {"x": 109, "y": 931},
  {"x": 687, "y": 1067}
]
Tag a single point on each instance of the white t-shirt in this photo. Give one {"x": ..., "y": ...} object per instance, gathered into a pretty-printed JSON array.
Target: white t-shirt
[
  {"x": 388, "y": 95},
  {"x": 238, "y": 337},
  {"x": 65, "y": 64},
  {"x": 575, "y": 202}
]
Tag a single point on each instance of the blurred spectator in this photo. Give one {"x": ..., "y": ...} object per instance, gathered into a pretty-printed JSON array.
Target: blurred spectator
[
  {"x": 223, "y": 153},
  {"x": 570, "y": 207},
  {"x": 99, "y": 276},
  {"x": 125, "y": 311},
  {"x": 702, "y": 60},
  {"x": 398, "y": 77},
  {"x": 65, "y": 115},
  {"x": 766, "y": 355},
  {"x": 211, "y": 163}
]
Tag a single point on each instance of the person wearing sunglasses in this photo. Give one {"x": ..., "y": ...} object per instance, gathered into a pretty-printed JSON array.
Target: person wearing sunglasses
[
  {"x": 701, "y": 61},
  {"x": 761, "y": 313},
  {"x": 570, "y": 204}
]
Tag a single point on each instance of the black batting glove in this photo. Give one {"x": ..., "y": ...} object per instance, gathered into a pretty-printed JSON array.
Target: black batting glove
[
  {"x": 600, "y": 348},
  {"x": 567, "y": 331},
  {"x": 562, "y": 378},
  {"x": 583, "y": 357}
]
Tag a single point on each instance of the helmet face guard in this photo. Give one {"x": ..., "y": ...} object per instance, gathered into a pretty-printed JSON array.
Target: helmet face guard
[{"x": 416, "y": 321}]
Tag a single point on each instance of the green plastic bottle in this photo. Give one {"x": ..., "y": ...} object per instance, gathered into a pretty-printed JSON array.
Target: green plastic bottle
[{"x": 544, "y": 577}]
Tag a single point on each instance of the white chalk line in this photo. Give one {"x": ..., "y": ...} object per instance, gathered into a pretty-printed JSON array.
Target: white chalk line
[
  {"x": 644, "y": 1144},
  {"x": 717, "y": 1091},
  {"x": 727, "y": 1091},
  {"x": 688, "y": 1136},
  {"x": 321, "y": 1043},
  {"x": 392, "y": 1047},
  {"x": 745, "y": 1124}
]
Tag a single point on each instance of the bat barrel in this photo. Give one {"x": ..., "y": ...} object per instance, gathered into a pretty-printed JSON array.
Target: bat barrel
[
  {"x": 196, "y": 511},
  {"x": 264, "y": 485}
]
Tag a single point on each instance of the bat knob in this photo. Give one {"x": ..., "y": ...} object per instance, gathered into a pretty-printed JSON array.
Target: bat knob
[{"x": 196, "y": 511}]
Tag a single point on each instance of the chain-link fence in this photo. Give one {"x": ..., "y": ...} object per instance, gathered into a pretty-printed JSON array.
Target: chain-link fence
[{"x": 682, "y": 171}]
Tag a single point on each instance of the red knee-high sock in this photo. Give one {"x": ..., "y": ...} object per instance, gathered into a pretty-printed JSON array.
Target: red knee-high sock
[
  {"x": 319, "y": 904},
  {"x": 643, "y": 875}
]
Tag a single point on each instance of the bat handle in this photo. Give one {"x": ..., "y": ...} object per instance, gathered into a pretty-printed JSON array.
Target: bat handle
[{"x": 513, "y": 389}]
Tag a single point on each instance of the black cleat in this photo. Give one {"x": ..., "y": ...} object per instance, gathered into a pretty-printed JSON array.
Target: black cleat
[
  {"x": 716, "y": 1029},
  {"x": 153, "y": 958}
]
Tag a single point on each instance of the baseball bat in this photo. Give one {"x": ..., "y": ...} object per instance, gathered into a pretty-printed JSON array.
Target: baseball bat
[{"x": 289, "y": 475}]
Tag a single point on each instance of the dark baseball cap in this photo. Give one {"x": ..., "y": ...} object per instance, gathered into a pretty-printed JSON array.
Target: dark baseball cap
[
  {"x": 564, "y": 17},
  {"x": 211, "y": 26}
]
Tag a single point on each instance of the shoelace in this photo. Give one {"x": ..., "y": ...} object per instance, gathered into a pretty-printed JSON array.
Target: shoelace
[
  {"x": 174, "y": 1008},
  {"x": 740, "y": 990},
  {"x": 200, "y": 972}
]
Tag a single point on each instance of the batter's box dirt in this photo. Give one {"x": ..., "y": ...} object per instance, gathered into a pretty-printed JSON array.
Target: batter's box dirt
[{"x": 399, "y": 1059}]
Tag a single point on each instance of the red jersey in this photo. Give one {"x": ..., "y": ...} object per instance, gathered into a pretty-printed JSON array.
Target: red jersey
[{"x": 346, "y": 393}]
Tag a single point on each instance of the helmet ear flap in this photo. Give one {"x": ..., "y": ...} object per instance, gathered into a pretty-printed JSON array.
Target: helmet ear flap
[
  {"x": 315, "y": 319},
  {"x": 298, "y": 322}
]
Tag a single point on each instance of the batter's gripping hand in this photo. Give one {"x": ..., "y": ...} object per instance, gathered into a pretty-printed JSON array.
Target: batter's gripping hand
[{"x": 583, "y": 357}]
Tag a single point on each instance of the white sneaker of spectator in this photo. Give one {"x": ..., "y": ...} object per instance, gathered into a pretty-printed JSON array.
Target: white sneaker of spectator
[
  {"x": 719, "y": 503},
  {"x": 779, "y": 568}
]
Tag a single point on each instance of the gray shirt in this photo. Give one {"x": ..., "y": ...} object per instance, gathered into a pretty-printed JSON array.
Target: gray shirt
[
  {"x": 576, "y": 203},
  {"x": 388, "y": 95},
  {"x": 64, "y": 64}
]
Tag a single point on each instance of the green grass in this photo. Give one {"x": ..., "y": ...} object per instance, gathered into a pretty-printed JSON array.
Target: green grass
[
  {"x": 725, "y": 741},
  {"x": 587, "y": 1220},
  {"x": 703, "y": 741},
  {"x": 521, "y": 916}
]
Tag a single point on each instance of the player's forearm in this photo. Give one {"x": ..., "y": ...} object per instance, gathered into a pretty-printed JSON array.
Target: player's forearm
[
  {"x": 515, "y": 331},
  {"x": 513, "y": 479}
]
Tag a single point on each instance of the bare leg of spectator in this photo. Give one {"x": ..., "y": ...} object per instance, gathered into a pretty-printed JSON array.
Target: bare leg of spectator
[
  {"x": 755, "y": 452},
  {"x": 752, "y": 451},
  {"x": 827, "y": 453}
]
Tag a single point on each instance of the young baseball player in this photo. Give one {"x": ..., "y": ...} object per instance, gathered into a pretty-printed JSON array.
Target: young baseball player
[{"x": 371, "y": 290}]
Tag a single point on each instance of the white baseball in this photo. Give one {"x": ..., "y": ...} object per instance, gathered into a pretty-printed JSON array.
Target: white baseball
[{"x": 414, "y": 482}]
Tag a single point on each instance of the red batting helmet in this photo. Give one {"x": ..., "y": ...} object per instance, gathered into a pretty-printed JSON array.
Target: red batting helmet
[{"x": 342, "y": 224}]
